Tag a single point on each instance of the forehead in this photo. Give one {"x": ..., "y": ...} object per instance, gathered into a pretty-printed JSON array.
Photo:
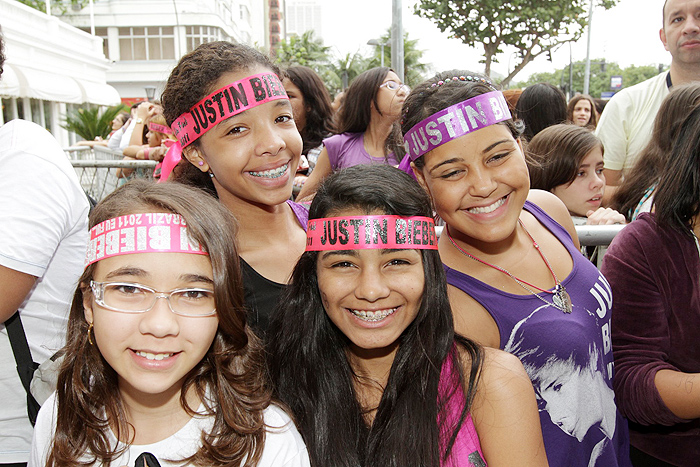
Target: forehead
[
  {"x": 237, "y": 75},
  {"x": 583, "y": 103},
  {"x": 672, "y": 7},
  {"x": 391, "y": 76}
]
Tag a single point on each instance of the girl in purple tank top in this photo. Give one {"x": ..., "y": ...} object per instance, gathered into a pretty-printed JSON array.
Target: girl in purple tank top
[
  {"x": 517, "y": 279},
  {"x": 364, "y": 353}
]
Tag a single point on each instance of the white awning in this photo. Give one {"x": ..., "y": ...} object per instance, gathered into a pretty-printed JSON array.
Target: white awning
[
  {"x": 20, "y": 81},
  {"x": 9, "y": 82}
]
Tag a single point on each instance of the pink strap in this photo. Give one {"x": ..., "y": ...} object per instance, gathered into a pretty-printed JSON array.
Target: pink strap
[
  {"x": 225, "y": 103},
  {"x": 160, "y": 128},
  {"x": 370, "y": 232}
]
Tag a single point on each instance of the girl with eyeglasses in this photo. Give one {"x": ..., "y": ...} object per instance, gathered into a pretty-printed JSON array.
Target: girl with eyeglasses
[
  {"x": 367, "y": 124},
  {"x": 160, "y": 366}
]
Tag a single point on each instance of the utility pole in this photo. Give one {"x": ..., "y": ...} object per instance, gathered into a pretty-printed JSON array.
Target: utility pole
[
  {"x": 587, "y": 72},
  {"x": 397, "y": 39}
]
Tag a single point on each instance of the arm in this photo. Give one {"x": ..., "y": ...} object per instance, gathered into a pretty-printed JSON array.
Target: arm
[
  {"x": 613, "y": 179},
  {"x": 14, "y": 288},
  {"x": 133, "y": 151},
  {"x": 472, "y": 320},
  {"x": 649, "y": 390},
  {"x": 144, "y": 111},
  {"x": 556, "y": 210},
  {"x": 505, "y": 413},
  {"x": 322, "y": 170}
]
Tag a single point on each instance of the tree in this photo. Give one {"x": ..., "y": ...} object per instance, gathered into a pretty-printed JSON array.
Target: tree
[
  {"x": 303, "y": 50},
  {"x": 90, "y": 123},
  {"x": 62, "y": 6},
  {"x": 342, "y": 71},
  {"x": 533, "y": 27},
  {"x": 599, "y": 80},
  {"x": 414, "y": 69}
]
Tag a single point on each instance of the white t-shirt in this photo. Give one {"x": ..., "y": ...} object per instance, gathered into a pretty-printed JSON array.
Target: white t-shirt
[
  {"x": 626, "y": 124},
  {"x": 43, "y": 232},
  {"x": 284, "y": 446}
]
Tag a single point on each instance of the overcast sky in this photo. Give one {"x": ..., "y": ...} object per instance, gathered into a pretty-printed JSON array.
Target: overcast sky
[{"x": 627, "y": 34}]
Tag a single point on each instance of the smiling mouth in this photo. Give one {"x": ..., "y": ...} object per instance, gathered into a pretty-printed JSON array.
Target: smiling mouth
[
  {"x": 373, "y": 316},
  {"x": 152, "y": 356},
  {"x": 488, "y": 209},
  {"x": 274, "y": 173}
]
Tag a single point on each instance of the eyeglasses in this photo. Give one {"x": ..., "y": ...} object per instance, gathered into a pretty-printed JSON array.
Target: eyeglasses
[
  {"x": 394, "y": 86},
  {"x": 127, "y": 297}
]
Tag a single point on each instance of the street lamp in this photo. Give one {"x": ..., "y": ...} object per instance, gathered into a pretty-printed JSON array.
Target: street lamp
[
  {"x": 376, "y": 42},
  {"x": 150, "y": 92}
]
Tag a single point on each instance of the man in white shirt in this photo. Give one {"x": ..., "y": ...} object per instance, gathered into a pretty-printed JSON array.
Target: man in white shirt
[{"x": 625, "y": 126}]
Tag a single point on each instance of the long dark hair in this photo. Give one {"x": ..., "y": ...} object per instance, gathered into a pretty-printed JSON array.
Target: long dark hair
[
  {"x": 429, "y": 97},
  {"x": 540, "y": 105},
  {"x": 193, "y": 79},
  {"x": 355, "y": 113},
  {"x": 651, "y": 161},
  {"x": 310, "y": 366},
  {"x": 677, "y": 196},
  {"x": 230, "y": 379},
  {"x": 593, "y": 121},
  {"x": 317, "y": 102},
  {"x": 558, "y": 151}
]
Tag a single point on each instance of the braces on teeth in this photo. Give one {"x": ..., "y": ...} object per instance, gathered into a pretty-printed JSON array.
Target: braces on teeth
[
  {"x": 373, "y": 315},
  {"x": 276, "y": 173}
]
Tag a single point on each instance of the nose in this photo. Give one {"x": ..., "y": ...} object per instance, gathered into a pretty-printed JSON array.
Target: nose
[
  {"x": 371, "y": 285},
  {"x": 160, "y": 321},
  {"x": 403, "y": 89},
  {"x": 270, "y": 141},
  {"x": 598, "y": 180},
  {"x": 481, "y": 184},
  {"x": 691, "y": 25}
]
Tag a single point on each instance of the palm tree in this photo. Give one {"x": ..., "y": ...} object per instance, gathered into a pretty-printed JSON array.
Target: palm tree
[{"x": 414, "y": 69}]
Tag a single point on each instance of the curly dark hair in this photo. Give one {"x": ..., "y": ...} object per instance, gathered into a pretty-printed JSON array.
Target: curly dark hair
[{"x": 317, "y": 101}]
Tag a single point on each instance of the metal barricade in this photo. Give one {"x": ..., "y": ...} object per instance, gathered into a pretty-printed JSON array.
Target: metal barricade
[{"x": 101, "y": 177}]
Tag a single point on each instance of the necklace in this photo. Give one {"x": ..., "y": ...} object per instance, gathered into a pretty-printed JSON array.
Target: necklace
[{"x": 560, "y": 297}]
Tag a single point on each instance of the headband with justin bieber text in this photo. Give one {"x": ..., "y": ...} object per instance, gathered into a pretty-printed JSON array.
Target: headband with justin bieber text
[
  {"x": 226, "y": 102},
  {"x": 455, "y": 121},
  {"x": 151, "y": 232},
  {"x": 370, "y": 232}
]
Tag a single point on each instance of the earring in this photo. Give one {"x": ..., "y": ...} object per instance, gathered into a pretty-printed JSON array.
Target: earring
[
  {"x": 211, "y": 174},
  {"x": 89, "y": 334},
  {"x": 200, "y": 163}
]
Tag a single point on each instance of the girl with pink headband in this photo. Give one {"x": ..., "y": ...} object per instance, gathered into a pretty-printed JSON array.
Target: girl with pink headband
[
  {"x": 177, "y": 381},
  {"x": 228, "y": 108},
  {"x": 363, "y": 349},
  {"x": 511, "y": 253}
]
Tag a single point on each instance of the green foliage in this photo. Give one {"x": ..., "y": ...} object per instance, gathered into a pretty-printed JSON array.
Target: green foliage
[
  {"x": 302, "y": 50},
  {"x": 414, "y": 69},
  {"x": 340, "y": 73},
  {"x": 599, "y": 79},
  {"x": 62, "y": 6},
  {"x": 89, "y": 123},
  {"x": 532, "y": 27}
]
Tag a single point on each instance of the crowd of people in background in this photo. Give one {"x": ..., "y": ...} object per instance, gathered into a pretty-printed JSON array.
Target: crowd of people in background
[{"x": 311, "y": 315}]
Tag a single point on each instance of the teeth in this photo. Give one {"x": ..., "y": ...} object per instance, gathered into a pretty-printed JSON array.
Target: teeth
[
  {"x": 151, "y": 356},
  {"x": 275, "y": 173},
  {"x": 372, "y": 316},
  {"x": 487, "y": 209}
]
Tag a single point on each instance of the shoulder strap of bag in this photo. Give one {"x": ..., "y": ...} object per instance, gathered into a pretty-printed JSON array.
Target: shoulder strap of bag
[{"x": 24, "y": 361}]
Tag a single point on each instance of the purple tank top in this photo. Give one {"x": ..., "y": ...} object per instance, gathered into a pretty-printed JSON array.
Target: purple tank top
[
  {"x": 466, "y": 450},
  {"x": 348, "y": 149},
  {"x": 567, "y": 356}
]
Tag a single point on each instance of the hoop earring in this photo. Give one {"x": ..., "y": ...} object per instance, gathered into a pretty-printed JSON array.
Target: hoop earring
[{"x": 89, "y": 334}]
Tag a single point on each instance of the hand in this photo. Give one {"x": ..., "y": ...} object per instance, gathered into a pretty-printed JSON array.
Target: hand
[
  {"x": 604, "y": 216},
  {"x": 145, "y": 110},
  {"x": 157, "y": 154}
]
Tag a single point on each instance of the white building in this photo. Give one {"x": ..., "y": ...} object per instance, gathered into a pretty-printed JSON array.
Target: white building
[
  {"x": 50, "y": 69},
  {"x": 144, "y": 40},
  {"x": 302, "y": 16}
]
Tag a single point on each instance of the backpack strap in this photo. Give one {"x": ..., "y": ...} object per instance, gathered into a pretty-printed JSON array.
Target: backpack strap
[{"x": 24, "y": 361}]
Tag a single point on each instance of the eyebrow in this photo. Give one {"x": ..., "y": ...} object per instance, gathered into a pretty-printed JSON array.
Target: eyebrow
[
  {"x": 196, "y": 278},
  {"x": 127, "y": 271},
  {"x": 459, "y": 159},
  {"x": 340, "y": 253}
]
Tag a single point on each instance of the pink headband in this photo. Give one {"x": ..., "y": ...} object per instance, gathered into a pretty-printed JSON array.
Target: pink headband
[
  {"x": 455, "y": 121},
  {"x": 160, "y": 128},
  {"x": 157, "y": 232},
  {"x": 368, "y": 232},
  {"x": 226, "y": 102}
]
